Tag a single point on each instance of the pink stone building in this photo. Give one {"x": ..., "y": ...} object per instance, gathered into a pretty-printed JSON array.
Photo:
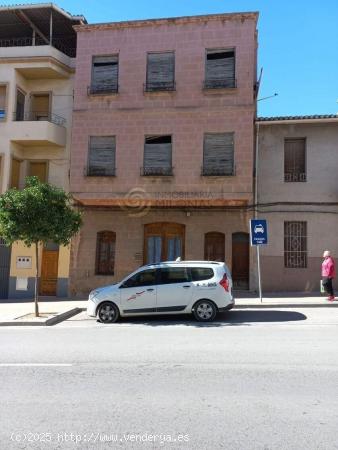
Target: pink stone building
[{"x": 163, "y": 144}]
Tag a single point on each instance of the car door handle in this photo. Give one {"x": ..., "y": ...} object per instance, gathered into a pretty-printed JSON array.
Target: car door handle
[
  {"x": 149, "y": 290},
  {"x": 185, "y": 287}
]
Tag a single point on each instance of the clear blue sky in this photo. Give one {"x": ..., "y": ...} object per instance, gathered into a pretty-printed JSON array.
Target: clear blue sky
[{"x": 298, "y": 43}]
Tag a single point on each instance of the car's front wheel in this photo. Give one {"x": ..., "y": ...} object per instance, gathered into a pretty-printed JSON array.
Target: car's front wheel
[
  {"x": 205, "y": 311},
  {"x": 108, "y": 312}
]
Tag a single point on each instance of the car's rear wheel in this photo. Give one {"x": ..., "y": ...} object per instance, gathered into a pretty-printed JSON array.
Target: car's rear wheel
[
  {"x": 108, "y": 312},
  {"x": 205, "y": 311}
]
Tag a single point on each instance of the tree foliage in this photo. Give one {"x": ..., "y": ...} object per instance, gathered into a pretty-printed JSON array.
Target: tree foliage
[{"x": 38, "y": 213}]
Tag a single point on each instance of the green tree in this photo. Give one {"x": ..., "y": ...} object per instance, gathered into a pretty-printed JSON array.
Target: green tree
[{"x": 38, "y": 214}]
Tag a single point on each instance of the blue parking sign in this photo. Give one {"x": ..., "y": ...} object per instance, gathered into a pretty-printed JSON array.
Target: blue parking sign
[{"x": 258, "y": 232}]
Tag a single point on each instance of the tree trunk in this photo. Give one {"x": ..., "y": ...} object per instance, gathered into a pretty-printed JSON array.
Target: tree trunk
[{"x": 36, "y": 293}]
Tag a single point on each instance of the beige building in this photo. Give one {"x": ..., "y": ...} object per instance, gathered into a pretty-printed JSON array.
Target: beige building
[
  {"x": 37, "y": 65},
  {"x": 298, "y": 195}
]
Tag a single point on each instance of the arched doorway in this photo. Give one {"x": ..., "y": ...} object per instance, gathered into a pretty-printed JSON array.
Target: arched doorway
[
  {"x": 163, "y": 241},
  {"x": 214, "y": 246},
  {"x": 240, "y": 260}
]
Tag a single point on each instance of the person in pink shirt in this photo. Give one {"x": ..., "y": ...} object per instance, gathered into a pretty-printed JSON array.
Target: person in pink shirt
[{"x": 328, "y": 274}]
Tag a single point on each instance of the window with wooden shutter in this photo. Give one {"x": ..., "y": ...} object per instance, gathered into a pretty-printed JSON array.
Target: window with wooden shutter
[
  {"x": 295, "y": 160},
  {"x": 160, "y": 71},
  {"x": 101, "y": 159},
  {"x": 157, "y": 156},
  {"x": 3, "y": 101},
  {"x": 214, "y": 246},
  {"x": 295, "y": 245},
  {"x": 218, "y": 154},
  {"x": 104, "y": 74},
  {"x": 220, "y": 69},
  {"x": 105, "y": 253}
]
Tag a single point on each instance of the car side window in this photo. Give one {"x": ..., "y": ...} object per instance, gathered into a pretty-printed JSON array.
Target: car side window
[
  {"x": 170, "y": 275},
  {"x": 201, "y": 273},
  {"x": 144, "y": 278}
]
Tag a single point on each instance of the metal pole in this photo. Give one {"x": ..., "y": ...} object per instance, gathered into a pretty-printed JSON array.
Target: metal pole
[{"x": 259, "y": 274}]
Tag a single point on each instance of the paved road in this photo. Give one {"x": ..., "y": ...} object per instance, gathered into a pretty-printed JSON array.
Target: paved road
[{"x": 255, "y": 379}]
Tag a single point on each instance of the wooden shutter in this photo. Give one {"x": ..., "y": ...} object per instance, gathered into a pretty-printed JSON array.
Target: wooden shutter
[
  {"x": 101, "y": 156},
  {"x": 160, "y": 70},
  {"x": 38, "y": 169},
  {"x": 220, "y": 68},
  {"x": 105, "y": 253},
  {"x": 104, "y": 73},
  {"x": 15, "y": 175},
  {"x": 214, "y": 246},
  {"x": 2, "y": 102},
  {"x": 294, "y": 160},
  {"x": 218, "y": 157},
  {"x": 157, "y": 155}
]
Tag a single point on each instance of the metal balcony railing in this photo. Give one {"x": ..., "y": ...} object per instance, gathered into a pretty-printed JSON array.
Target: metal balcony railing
[
  {"x": 222, "y": 83},
  {"x": 91, "y": 171},
  {"x": 102, "y": 90},
  {"x": 157, "y": 171},
  {"x": 38, "y": 116},
  {"x": 292, "y": 177},
  {"x": 151, "y": 86},
  {"x": 25, "y": 41},
  {"x": 218, "y": 171}
]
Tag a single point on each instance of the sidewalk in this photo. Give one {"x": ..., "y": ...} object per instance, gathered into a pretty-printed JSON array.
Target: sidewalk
[
  {"x": 284, "y": 300},
  {"x": 51, "y": 312}
]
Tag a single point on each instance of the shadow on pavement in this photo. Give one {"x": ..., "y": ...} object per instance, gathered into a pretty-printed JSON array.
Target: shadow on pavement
[{"x": 232, "y": 318}]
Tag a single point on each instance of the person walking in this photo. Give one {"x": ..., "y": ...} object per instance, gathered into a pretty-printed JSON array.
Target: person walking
[{"x": 328, "y": 274}]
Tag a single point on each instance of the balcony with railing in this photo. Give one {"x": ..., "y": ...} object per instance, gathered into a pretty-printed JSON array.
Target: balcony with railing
[
  {"x": 35, "y": 128},
  {"x": 104, "y": 89},
  {"x": 220, "y": 83},
  {"x": 228, "y": 171},
  {"x": 158, "y": 86}
]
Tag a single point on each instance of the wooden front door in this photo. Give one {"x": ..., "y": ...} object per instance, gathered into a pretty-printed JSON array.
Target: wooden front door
[
  {"x": 163, "y": 241},
  {"x": 49, "y": 272},
  {"x": 38, "y": 169},
  {"x": 240, "y": 260}
]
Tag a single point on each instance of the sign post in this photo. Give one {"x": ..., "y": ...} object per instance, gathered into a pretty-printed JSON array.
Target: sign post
[{"x": 258, "y": 237}]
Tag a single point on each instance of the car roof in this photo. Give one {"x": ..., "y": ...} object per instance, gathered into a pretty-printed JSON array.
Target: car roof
[{"x": 184, "y": 263}]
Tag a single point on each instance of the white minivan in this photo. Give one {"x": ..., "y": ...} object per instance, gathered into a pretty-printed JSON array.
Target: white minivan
[{"x": 202, "y": 288}]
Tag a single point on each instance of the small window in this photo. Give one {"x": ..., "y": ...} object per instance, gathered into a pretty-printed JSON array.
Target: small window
[
  {"x": 104, "y": 74},
  {"x": 3, "y": 101},
  {"x": 295, "y": 245},
  {"x": 295, "y": 160},
  {"x": 101, "y": 161},
  {"x": 144, "y": 278},
  {"x": 157, "y": 156},
  {"x": 172, "y": 275},
  {"x": 160, "y": 71},
  {"x": 201, "y": 273},
  {"x": 220, "y": 69},
  {"x": 218, "y": 154},
  {"x": 105, "y": 253}
]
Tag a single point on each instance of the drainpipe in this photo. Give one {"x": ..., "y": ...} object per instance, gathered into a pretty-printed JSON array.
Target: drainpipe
[{"x": 51, "y": 28}]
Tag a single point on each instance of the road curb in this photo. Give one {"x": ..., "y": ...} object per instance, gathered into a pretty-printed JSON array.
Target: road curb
[{"x": 47, "y": 322}]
